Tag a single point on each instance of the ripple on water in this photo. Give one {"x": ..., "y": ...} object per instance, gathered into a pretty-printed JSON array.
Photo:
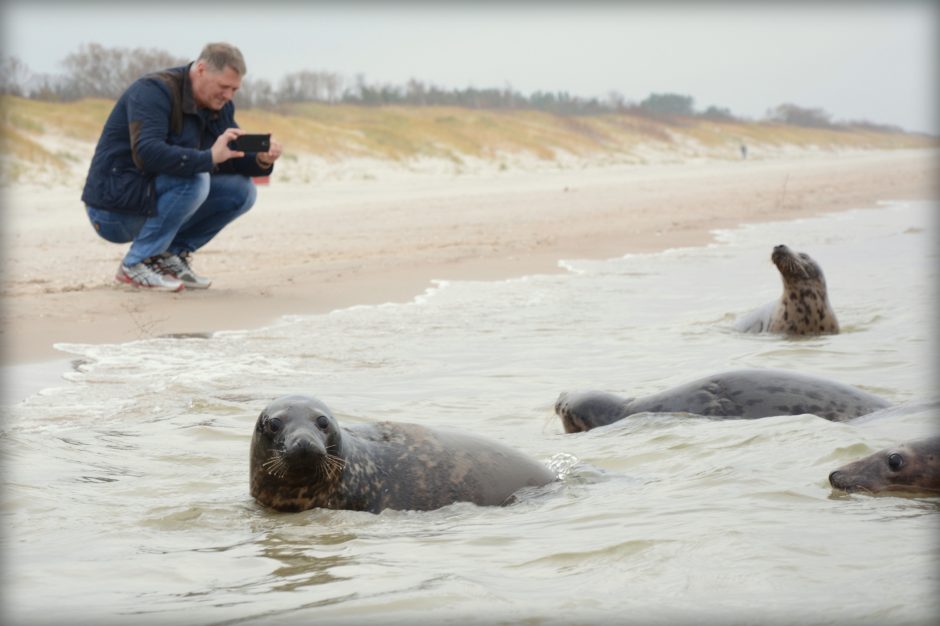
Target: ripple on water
[{"x": 126, "y": 481}]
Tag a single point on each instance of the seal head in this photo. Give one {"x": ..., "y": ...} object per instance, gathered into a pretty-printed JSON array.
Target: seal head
[
  {"x": 910, "y": 468},
  {"x": 584, "y": 410},
  {"x": 296, "y": 451}
]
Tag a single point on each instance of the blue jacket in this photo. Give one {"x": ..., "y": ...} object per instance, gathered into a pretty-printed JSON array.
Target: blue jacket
[{"x": 155, "y": 128}]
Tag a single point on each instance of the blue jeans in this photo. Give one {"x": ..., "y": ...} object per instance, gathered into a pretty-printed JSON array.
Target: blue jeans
[{"x": 191, "y": 210}]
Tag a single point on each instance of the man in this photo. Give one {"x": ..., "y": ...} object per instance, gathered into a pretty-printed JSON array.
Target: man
[{"x": 163, "y": 175}]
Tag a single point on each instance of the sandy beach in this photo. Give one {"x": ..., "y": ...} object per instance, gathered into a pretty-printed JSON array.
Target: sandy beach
[{"x": 315, "y": 247}]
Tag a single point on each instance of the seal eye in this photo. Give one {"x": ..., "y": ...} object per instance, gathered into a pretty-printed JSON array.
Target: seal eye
[
  {"x": 323, "y": 422},
  {"x": 895, "y": 461},
  {"x": 273, "y": 424}
]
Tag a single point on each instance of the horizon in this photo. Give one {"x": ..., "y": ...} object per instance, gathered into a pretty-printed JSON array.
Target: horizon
[{"x": 872, "y": 62}]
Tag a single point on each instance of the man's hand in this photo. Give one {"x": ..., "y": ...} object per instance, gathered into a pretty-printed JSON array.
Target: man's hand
[
  {"x": 267, "y": 159},
  {"x": 220, "y": 150}
]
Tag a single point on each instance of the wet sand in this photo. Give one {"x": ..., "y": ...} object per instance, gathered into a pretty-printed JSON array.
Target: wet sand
[{"x": 310, "y": 248}]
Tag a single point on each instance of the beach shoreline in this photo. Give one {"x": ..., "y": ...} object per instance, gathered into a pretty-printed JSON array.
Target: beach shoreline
[{"x": 313, "y": 248}]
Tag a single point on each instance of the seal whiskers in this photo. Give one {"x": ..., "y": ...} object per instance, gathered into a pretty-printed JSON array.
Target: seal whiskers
[
  {"x": 327, "y": 468},
  {"x": 276, "y": 466},
  {"x": 332, "y": 466}
]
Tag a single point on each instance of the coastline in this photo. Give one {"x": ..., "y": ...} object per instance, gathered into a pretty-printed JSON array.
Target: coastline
[{"x": 313, "y": 248}]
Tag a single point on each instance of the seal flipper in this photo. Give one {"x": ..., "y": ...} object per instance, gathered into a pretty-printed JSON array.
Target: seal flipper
[{"x": 757, "y": 320}]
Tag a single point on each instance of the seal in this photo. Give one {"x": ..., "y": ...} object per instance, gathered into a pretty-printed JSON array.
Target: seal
[
  {"x": 804, "y": 307},
  {"x": 301, "y": 458},
  {"x": 738, "y": 394},
  {"x": 910, "y": 468}
]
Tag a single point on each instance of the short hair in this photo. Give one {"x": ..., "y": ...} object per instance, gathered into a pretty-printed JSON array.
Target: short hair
[{"x": 218, "y": 56}]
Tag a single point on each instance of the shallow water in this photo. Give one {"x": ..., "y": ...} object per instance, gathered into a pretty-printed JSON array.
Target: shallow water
[{"x": 126, "y": 493}]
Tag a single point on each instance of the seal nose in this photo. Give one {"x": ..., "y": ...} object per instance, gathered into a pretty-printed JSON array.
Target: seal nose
[
  {"x": 835, "y": 479},
  {"x": 304, "y": 448},
  {"x": 560, "y": 402},
  {"x": 779, "y": 254}
]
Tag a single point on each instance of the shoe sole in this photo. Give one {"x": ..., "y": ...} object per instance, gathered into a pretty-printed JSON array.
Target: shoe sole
[
  {"x": 189, "y": 285},
  {"x": 124, "y": 280}
]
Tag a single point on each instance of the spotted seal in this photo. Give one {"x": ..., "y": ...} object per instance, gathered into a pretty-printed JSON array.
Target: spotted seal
[
  {"x": 911, "y": 468},
  {"x": 804, "y": 307},
  {"x": 301, "y": 458},
  {"x": 740, "y": 394}
]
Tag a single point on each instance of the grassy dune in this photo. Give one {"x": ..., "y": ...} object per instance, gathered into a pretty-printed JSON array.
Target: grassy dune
[{"x": 59, "y": 137}]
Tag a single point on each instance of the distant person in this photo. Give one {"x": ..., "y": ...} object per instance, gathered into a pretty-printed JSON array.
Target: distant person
[
  {"x": 743, "y": 151},
  {"x": 163, "y": 175}
]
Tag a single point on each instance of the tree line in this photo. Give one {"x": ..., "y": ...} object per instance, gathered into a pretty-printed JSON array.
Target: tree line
[{"x": 96, "y": 71}]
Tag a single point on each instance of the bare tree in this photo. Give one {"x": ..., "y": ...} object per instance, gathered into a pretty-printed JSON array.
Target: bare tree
[
  {"x": 616, "y": 101},
  {"x": 106, "y": 72},
  {"x": 667, "y": 104},
  {"x": 95, "y": 70},
  {"x": 14, "y": 76},
  {"x": 333, "y": 84},
  {"x": 255, "y": 93},
  {"x": 799, "y": 116},
  {"x": 310, "y": 86},
  {"x": 416, "y": 92},
  {"x": 510, "y": 97},
  {"x": 719, "y": 114}
]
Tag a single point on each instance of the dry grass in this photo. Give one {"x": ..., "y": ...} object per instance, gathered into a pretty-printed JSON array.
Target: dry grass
[
  {"x": 401, "y": 133},
  {"x": 80, "y": 120}
]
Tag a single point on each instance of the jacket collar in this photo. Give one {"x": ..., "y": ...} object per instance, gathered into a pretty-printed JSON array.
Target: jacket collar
[{"x": 189, "y": 103}]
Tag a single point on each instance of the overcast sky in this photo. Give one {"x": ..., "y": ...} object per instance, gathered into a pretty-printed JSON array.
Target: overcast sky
[{"x": 856, "y": 60}]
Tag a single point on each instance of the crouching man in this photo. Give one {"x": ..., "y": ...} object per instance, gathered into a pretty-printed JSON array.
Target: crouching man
[{"x": 163, "y": 176}]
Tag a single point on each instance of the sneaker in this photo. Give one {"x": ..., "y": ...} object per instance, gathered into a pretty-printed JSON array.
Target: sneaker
[
  {"x": 177, "y": 266},
  {"x": 143, "y": 276}
]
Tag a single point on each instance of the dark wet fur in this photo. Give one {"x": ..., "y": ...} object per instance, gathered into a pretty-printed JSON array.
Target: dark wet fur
[
  {"x": 741, "y": 394},
  {"x": 311, "y": 463}
]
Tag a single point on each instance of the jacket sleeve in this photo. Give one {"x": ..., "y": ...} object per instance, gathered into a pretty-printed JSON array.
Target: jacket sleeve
[
  {"x": 148, "y": 118},
  {"x": 246, "y": 165}
]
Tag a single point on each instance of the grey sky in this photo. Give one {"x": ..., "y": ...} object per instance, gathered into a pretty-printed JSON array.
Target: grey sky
[{"x": 862, "y": 60}]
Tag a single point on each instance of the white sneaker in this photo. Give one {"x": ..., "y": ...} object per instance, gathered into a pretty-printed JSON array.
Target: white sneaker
[
  {"x": 142, "y": 276},
  {"x": 177, "y": 266}
]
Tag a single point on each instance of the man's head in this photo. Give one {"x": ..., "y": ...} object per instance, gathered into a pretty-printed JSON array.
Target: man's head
[{"x": 216, "y": 75}]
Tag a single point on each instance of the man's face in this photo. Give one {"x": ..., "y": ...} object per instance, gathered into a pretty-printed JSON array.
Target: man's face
[{"x": 211, "y": 89}]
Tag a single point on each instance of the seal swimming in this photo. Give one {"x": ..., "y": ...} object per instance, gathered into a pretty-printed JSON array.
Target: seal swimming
[
  {"x": 739, "y": 394},
  {"x": 911, "y": 468},
  {"x": 804, "y": 307},
  {"x": 301, "y": 458}
]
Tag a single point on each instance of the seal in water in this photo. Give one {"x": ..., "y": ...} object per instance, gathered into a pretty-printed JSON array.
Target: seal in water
[
  {"x": 911, "y": 468},
  {"x": 740, "y": 394},
  {"x": 302, "y": 459},
  {"x": 803, "y": 309}
]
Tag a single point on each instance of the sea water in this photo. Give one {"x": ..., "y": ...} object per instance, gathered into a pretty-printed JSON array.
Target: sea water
[{"x": 125, "y": 495}]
